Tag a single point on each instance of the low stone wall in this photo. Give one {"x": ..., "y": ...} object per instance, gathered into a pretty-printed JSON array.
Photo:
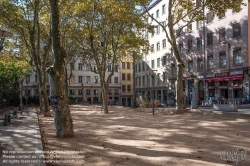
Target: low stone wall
[{"x": 225, "y": 107}]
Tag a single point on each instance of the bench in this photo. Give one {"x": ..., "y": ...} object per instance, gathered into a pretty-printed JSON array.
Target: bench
[
  {"x": 7, "y": 114},
  {"x": 225, "y": 107}
]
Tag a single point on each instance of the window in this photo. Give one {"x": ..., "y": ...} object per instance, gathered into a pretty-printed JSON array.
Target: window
[
  {"x": 157, "y": 13},
  {"x": 72, "y": 79},
  {"x": 110, "y": 81},
  {"x": 79, "y": 79},
  {"x": 143, "y": 66},
  {"x": 158, "y": 46},
  {"x": 199, "y": 23},
  {"x": 164, "y": 25},
  {"x": 129, "y": 88},
  {"x": 123, "y": 76},
  {"x": 223, "y": 59},
  {"x": 123, "y": 88},
  {"x": 222, "y": 15},
  {"x": 146, "y": 35},
  {"x": 116, "y": 68},
  {"x": 139, "y": 81},
  {"x": 72, "y": 92},
  {"x": 95, "y": 91},
  {"x": 210, "y": 17},
  {"x": 173, "y": 85},
  {"x": 173, "y": 71},
  {"x": 199, "y": 42},
  {"x": 147, "y": 65},
  {"x": 79, "y": 91},
  {"x": 210, "y": 39},
  {"x": 123, "y": 65},
  {"x": 27, "y": 92},
  {"x": 190, "y": 45},
  {"x": 190, "y": 66},
  {"x": 139, "y": 67},
  {"x": 72, "y": 66},
  {"x": 152, "y": 48},
  {"x": 27, "y": 78},
  {"x": 153, "y": 80},
  {"x": 36, "y": 78},
  {"x": 163, "y": 9},
  {"x": 109, "y": 68},
  {"x": 148, "y": 80},
  {"x": 143, "y": 80},
  {"x": 158, "y": 78},
  {"x": 158, "y": 29},
  {"x": 87, "y": 91},
  {"x": 189, "y": 28},
  {"x": 164, "y": 60},
  {"x": 135, "y": 68},
  {"x": 152, "y": 63},
  {"x": 210, "y": 62},
  {"x": 88, "y": 67},
  {"x": 198, "y": 3},
  {"x": 158, "y": 62},
  {"x": 129, "y": 76},
  {"x": 95, "y": 79},
  {"x": 164, "y": 43},
  {"x": 222, "y": 35},
  {"x": 236, "y": 30},
  {"x": 152, "y": 16},
  {"x": 88, "y": 79},
  {"x": 164, "y": 77},
  {"x": 181, "y": 48},
  {"x": 116, "y": 80},
  {"x": 79, "y": 66},
  {"x": 237, "y": 56},
  {"x": 128, "y": 65},
  {"x": 199, "y": 64}
]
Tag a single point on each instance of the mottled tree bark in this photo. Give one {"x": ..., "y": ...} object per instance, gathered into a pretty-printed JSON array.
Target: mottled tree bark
[{"x": 59, "y": 103}]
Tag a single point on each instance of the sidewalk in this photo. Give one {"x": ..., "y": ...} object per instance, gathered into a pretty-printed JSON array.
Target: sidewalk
[
  {"x": 20, "y": 140},
  {"x": 242, "y": 109}
]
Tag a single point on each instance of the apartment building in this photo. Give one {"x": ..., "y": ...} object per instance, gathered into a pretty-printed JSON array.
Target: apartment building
[
  {"x": 127, "y": 81},
  {"x": 84, "y": 84},
  {"x": 215, "y": 52}
]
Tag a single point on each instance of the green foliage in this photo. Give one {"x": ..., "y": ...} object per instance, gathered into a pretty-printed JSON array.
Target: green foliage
[{"x": 9, "y": 84}]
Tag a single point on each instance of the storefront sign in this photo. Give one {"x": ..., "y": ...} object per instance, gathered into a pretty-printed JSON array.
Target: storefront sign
[
  {"x": 237, "y": 86},
  {"x": 210, "y": 75},
  {"x": 222, "y": 87},
  {"x": 211, "y": 87},
  {"x": 222, "y": 74},
  {"x": 236, "y": 72}
]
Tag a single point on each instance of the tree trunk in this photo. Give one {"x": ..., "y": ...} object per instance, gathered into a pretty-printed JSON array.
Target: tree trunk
[
  {"x": 179, "y": 90},
  {"x": 105, "y": 98},
  {"x": 59, "y": 103}
]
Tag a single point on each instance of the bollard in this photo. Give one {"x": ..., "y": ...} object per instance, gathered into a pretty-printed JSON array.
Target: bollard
[
  {"x": 5, "y": 120},
  {"x": 9, "y": 118}
]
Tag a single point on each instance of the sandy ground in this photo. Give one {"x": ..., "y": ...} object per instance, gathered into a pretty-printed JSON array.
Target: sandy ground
[{"x": 128, "y": 137}]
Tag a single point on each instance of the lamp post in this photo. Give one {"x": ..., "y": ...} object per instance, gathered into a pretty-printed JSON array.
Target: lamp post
[
  {"x": 3, "y": 35},
  {"x": 134, "y": 97},
  {"x": 152, "y": 74},
  {"x": 21, "y": 94}
]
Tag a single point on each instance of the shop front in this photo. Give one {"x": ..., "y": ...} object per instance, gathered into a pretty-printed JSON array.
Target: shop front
[{"x": 227, "y": 85}]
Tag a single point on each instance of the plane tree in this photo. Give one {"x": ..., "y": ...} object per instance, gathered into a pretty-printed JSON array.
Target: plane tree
[{"x": 107, "y": 31}]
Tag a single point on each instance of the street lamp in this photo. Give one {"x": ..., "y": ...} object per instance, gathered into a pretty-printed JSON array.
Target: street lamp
[
  {"x": 152, "y": 74},
  {"x": 3, "y": 35}
]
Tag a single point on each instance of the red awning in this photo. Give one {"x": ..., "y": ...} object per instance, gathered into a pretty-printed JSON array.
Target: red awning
[{"x": 225, "y": 78}]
